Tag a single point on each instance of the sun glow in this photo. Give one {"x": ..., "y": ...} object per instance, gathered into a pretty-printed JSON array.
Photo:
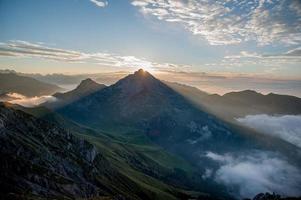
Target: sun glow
[{"x": 148, "y": 69}]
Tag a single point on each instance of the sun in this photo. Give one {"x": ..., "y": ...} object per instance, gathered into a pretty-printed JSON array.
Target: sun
[{"x": 147, "y": 68}]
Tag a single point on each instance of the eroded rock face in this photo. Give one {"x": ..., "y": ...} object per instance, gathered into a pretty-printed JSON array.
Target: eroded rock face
[{"x": 41, "y": 159}]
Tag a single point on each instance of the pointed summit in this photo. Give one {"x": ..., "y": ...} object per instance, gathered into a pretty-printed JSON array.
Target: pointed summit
[
  {"x": 139, "y": 81},
  {"x": 87, "y": 84},
  {"x": 140, "y": 75},
  {"x": 85, "y": 88},
  {"x": 140, "y": 72}
]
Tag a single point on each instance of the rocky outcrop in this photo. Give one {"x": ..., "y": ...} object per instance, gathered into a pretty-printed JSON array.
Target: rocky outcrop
[
  {"x": 268, "y": 196},
  {"x": 41, "y": 159}
]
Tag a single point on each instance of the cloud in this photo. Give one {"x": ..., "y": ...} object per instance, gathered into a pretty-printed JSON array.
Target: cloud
[
  {"x": 202, "y": 133},
  {"x": 24, "y": 49},
  {"x": 213, "y": 82},
  {"x": 244, "y": 54},
  {"x": 257, "y": 172},
  {"x": 286, "y": 127},
  {"x": 291, "y": 54},
  {"x": 17, "y": 48},
  {"x": 29, "y": 101},
  {"x": 231, "y": 21},
  {"x": 100, "y": 3},
  {"x": 271, "y": 62}
]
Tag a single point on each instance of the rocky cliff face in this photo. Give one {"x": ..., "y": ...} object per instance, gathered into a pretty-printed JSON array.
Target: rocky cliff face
[{"x": 41, "y": 159}]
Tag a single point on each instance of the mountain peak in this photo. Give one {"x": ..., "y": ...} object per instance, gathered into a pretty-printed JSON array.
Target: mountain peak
[
  {"x": 139, "y": 81},
  {"x": 138, "y": 77},
  {"x": 88, "y": 80},
  {"x": 142, "y": 73},
  {"x": 87, "y": 83},
  {"x": 85, "y": 88}
]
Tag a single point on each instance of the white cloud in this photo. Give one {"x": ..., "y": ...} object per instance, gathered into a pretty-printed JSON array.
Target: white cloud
[
  {"x": 202, "y": 132},
  {"x": 257, "y": 172},
  {"x": 100, "y": 3},
  {"x": 219, "y": 158},
  {"x": 29, "y": 101},
  {"x": 244, "y": 54},
  {"x": 18, "y": 48},
  {"x": 290, "y": 54},
  {"x": 231, "y": 21},
  {"x": 271, "y": 62},
  {"x": 286, "y": 127}
]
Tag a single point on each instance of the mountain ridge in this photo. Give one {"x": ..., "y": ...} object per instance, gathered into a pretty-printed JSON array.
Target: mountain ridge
[
  {"x": 142, "y": 102},
  {"x": 50, "y": 158},
  {"x": 85, "y": 88},
  {"x": 13, "y": 83},
  {"x": 249, "y": 102},
  {"x": 134, "y": 121}
]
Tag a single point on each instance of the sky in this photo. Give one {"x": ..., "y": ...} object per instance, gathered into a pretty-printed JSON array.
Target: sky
[{"x": 239, "y": 40}]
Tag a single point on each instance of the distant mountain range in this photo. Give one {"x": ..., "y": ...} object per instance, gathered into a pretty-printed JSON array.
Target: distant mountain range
[
  {"x": 239, "y": 104},
  {"x": 228, "y": 106},
  {"x": 140, "y": 138},
  {"x": 13, "y": 83}
]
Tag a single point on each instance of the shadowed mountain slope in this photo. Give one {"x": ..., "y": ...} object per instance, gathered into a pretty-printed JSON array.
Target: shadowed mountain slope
[
  {"x": 239, "y": 104},
  {"x": 167, "y": 118},
  {"x": 191, "y": 93},
  {"x": 248, "y": 102},
  {"x": 11, "y": 82},
  {"x": 44, "y": 160},
  {"x": 85, "y": 88},
  {"x": 151, "y": 138}
]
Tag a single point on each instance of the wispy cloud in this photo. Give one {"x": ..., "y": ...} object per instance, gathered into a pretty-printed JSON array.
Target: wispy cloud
[
  {"x": 257, "y": 172},
  {"x": 100, "y": 3},
  {"x": 272, "y": 62},
  {"x": 231, "y": 21},
  {"x": 18, "y": 48},
  {"x": 213, "y": 82},
  {"x": 291, "y": 54},
  {"x": 287, "y": 127}
]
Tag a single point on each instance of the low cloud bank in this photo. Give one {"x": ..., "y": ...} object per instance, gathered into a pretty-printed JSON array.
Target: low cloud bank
[
  {"x": 257, "y": 172},
  {"x": 29, "y": 101},
  {"x": 286, "y": 127}
]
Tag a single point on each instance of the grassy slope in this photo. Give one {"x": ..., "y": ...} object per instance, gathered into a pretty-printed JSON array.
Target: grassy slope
[{"x": 132, "y": 153}]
